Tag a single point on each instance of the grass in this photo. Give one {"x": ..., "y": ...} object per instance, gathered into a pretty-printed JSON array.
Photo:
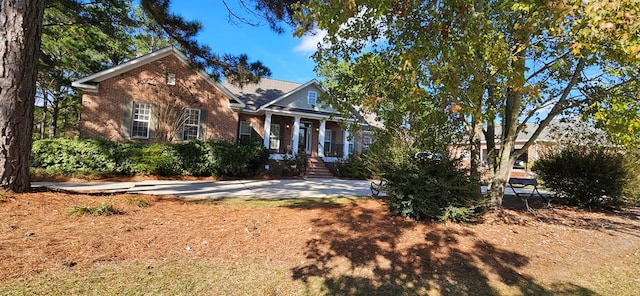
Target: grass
[
  {"x": 202, "y": 277},
  {"x": 136, "y": 202},
  {"x": 104, "y": 209},
  {"x": 257, "y": 277}
]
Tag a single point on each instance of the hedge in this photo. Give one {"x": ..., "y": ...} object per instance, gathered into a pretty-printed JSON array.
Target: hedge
[{"x": 96, "y": 157}]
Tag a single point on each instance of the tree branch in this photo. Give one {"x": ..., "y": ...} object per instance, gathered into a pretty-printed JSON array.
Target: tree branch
[
  {"x": 546, "y": 66},
  {"x": 557, "y": 108}
]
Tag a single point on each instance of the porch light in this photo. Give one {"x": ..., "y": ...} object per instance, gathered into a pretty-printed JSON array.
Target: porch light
[{"x": 287, "y": 126}]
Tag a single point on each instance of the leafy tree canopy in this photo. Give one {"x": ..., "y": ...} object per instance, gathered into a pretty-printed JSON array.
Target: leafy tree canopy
[{"x": 485, "y": 62}]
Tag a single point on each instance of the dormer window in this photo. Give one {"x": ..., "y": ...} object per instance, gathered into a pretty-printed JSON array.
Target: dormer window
[
  {"x": 311, "y": 98},
  {"x": 171, "y": 78}
]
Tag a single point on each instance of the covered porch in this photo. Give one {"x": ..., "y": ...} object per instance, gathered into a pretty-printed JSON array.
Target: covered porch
[{"x": 316, "y": 136}]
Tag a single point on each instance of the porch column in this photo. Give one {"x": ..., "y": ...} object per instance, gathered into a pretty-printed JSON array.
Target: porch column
[
  {"x": 296, "y": 135},
  {"x": 267, "y": 129},
  {"x": 345, "y": 142},
  {"x": 323, "y": 125}
]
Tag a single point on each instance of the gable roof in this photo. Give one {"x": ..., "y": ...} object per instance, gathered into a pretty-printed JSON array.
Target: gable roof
[
  {"x": 256, "y": 95},
  {"x": 267, "y": 92},
  {"x": 91, "y": 82}
]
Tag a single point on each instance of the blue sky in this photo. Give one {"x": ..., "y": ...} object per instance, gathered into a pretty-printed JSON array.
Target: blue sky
[{"x": 288, "y": 57}]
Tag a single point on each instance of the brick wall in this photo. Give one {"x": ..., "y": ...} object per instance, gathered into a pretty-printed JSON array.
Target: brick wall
[{"x": 103, "y": 112}]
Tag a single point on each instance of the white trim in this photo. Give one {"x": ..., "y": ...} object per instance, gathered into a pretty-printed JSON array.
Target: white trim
[
  {"x": 276, "y": 156},
  {"x": 308, "y": 134},
  {"x": 315, "y": 97},
  {"x": 331, "y": 159},
  {"x": 240, "y": 134},
  {"x": 147, "y": 106},
  {"x": 345, "y": 143},
  {"x": 295, "y": 135},
  {"x": 274, "y": 135},
  {"x": 197, "y": 125},
  {"x": 307, "y": 115},
  {"x": 321, "y": 134},
  {"x": 266, "y": 130}
]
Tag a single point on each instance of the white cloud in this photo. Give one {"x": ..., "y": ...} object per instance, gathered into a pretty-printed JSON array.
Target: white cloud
[{"x": 309, "y": 43}]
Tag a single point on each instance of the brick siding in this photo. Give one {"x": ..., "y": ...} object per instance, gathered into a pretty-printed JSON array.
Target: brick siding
[{"x": 103, "y": 111}]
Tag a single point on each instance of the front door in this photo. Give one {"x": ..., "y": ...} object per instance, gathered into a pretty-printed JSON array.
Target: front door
[{"x": 304, "y": 137}]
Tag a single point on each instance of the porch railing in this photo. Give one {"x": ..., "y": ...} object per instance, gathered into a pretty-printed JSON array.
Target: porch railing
[{"x": 334, "y": 150}]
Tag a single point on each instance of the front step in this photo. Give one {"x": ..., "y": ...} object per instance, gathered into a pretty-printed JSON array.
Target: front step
[{"x": 316, "y": 168}]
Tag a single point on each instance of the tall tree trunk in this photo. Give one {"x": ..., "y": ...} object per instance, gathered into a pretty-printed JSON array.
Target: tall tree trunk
[
  {"x": 55, "y": 111},
  {"x": 476, "y": 137},
  {"x": 513, "y": 103},
  {"x": 21, "y": 29}
]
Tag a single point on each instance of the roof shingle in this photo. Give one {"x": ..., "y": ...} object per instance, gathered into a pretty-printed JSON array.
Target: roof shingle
[{"x": 265, "y": 91}]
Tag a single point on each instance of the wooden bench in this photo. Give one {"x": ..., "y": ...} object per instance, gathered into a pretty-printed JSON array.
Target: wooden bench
[{"x": 524, "y": 182}]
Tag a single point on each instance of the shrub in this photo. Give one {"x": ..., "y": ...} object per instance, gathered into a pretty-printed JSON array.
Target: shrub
[
  {"x": 431, "y": 189},
  {"x": 196, "y": 157},
  {"x": 82, "y": 157},
  {"x": 294, "y": 165},
  {"x": 157, "y": 159},
  {"x": 354, "y": 167},
  {"x": 74, "y": 156},
  {"x": 631, "y": 192},
  {"x": 238, "y": 160},
  {"x": 590, "y": 178}
]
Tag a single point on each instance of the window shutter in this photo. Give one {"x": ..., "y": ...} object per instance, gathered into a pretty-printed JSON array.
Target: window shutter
[
  {"x": 203, "y": 125},
  {"x": 153, "y": 123},
  {"x": 126, "y": 118}
]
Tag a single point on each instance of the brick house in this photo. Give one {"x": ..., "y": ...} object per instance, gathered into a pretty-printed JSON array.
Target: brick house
[{"x": 158, "y": 97}]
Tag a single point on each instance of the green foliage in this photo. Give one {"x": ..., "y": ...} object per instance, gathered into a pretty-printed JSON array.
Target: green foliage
[
  {"x": 591, "y": 178},
  {"x": 431, "y": 190},
  {"x": 238, "y": 160},
  {"x": 479, "y": 62},
  {"x": 104, "y": 209},
  {"x": 631, "y": 192},
  {"x": 196, "y": 157},
  {"x": 354, "y": 168},
  {"x": 617, "y": 111},
  {"x": 157, "y": 159},
  {"x": 456, "y": 214},
  {"x": 74, "y": 157},
  {"x": 135, "y": 201},
  {"x": 82, "y": 157},
  {"x": 294, "y": 165}
]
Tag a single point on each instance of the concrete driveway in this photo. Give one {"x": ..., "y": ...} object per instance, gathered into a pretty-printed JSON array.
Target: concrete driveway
[{"x": 276, "y": 189}]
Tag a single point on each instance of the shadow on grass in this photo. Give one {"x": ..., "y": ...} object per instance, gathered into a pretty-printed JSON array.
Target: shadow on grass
[
  {"x": 361, "y": 251},
  {"x": 303, "y": 203},
  {"x": 565, "y": 214}
]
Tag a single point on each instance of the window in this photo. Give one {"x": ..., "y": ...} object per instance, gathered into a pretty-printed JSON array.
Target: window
[
  {"x": 191, "y": 126},
  {"x": 245, "y": 131},
  {"x": 328, "y": 137},
  {"x": 171, "y": 78},
  {"x": 311, "y": 98},
  {"x": 366, "y": 142},
  {"x": 141, "y": 120},
  {"x": 274, "y": 137}
]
